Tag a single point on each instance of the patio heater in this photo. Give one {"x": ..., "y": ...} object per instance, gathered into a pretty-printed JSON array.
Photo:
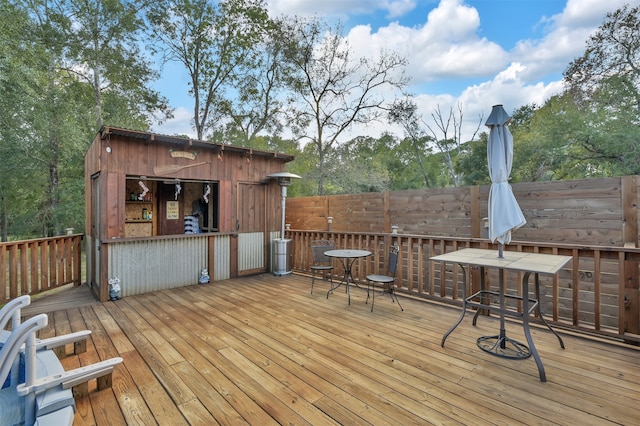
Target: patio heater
[{"x": 281, "y": 263}]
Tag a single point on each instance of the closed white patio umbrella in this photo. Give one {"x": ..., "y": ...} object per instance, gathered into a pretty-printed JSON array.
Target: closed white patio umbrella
[
  {"x": 504, "y": 212},
  {"x": 504, "y": 216}
]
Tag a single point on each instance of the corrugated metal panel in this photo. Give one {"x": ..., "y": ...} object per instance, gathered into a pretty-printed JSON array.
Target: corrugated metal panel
[
  {"x": 250, "y": 251},
  {"x": 273, "y": 235},
  {"x": 152, "y": 265},
  {"x": 222, "y": 258}
]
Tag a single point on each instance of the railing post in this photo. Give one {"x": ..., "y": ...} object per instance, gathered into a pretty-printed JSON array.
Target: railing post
[{"x": 631, "y": 295}]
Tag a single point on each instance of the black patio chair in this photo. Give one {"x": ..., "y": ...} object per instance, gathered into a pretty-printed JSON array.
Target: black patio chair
[
  {"x": 384, "y": 283},
  {"x": 322, "y": 264}
]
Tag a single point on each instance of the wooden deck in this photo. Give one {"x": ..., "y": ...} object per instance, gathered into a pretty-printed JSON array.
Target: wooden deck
[{"x": 262, "y": 350}]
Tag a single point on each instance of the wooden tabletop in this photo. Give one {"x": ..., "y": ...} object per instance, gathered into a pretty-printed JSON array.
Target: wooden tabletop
[{"x": 517, "y": 261}]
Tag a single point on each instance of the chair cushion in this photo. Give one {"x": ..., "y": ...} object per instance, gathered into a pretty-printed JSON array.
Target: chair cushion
[
  {"x": 322, "y": 267},
  {"x": 15, "y": 377},
  {"x": 11, "y": 407},
  {"x": 48, "y": 364},
  {"x": 61, "y": 417}
]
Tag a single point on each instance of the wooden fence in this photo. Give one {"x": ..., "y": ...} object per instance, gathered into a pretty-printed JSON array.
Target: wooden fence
[
  {"x": 34, "y": 266},
  {"x": 596, "y": 293},
  {"x": 596, "y": 212}
]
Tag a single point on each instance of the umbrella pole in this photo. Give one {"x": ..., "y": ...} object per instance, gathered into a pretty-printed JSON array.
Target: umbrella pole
[
  {"x": 502, "y": 340},
  {"x": 500, "y": 250},
  {"x": 500, "y": 345}
]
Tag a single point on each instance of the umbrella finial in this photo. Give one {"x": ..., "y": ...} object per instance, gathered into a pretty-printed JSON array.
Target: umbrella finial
[{"x": 498, "y": 117}]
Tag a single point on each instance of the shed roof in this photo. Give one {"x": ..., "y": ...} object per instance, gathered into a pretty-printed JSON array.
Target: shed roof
[{"x": 105, "y": 131}]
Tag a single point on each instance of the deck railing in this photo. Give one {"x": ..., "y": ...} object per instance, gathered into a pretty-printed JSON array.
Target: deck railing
[
  {"x": 596, "y": 293},
  {"x": 34, "y": 266}
]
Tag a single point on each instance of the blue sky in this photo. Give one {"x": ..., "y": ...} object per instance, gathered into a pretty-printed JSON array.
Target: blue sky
[{"x": 472, "y": 53}]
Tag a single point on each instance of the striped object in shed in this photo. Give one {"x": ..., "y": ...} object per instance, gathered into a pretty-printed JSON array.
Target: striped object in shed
[
  {"x": 250, "y": 251},
  {"x": 221, "y": 258}
]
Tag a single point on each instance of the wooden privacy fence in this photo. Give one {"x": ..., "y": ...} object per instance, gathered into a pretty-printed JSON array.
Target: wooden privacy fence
[
  {"x": 34, "y": 266},
  {"x": 596, "y": 212},
  {"x": 596, "y": 293}
]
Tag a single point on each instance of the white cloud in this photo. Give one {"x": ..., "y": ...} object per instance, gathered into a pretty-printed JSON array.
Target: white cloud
[
  {"x": 399, "y": 7},
  {"x": 445, "y": 46},
  {"x": 507, "y": 88},
  {"x": 180, "y": 124},
  {"x": 566, "y": 37},
  {"x": 450, "y": 62},
  {"x": 589, "y": 13}
]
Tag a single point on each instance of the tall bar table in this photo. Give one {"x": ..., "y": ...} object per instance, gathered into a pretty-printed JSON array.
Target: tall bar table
[{"x": 529, "y": 263}]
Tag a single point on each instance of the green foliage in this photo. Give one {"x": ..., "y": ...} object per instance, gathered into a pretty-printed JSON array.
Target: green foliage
[
  {"x": 604, "y": 89},
  {"x": 63, "y": 68},
  {"x": 562, "y": 140},
  {"x": 423, "y": 139},
  {"x": 218, "y": 44},
  {"x": 362, "y": 167},
  {"x": 330, "y": 90},
  {"x": 613, "y": 52},
  {"x": 68, "y": 66},
  {"x": 102, "y": 48},
  {"x": 473, "y": 162}
]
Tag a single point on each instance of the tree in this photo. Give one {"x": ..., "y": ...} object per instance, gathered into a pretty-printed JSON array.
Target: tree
[
  {"x": 50, "y": 105},
  {"x": 445, "y": 134},
  {"x": 612, "y": 52},
  {"x": 14, "y": 84},
  {"x": 416, "y": 142},
  {"x": 258, "y": 105},
  {"x": 473, "y": 160},
  {"x": 562, "y": 140},
  {"x": 604, "y": 85},
  {"x": 349, "y": 176},
  {"x": 217, "y": 43},
  {"x": 331, "y": 91},
  {"x": 103, "y": 49},
  {"x": 37, "y": 111}
]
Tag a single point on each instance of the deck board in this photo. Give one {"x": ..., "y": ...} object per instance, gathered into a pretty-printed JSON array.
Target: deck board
[{"x": 262, "y": 350}]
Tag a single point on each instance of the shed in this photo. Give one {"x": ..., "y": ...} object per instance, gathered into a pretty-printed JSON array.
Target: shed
[{"x": 160, "y": 209}]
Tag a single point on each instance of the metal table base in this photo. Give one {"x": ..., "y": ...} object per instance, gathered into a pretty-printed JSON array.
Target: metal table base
[
  {"x": 501, "y": 345},
  {"x": 347, "y": 258}
]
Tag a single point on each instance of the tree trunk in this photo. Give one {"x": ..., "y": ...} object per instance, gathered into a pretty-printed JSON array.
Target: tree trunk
[
  {"x": 3, "y": 220},
  {"x": 49, "y": 222}
]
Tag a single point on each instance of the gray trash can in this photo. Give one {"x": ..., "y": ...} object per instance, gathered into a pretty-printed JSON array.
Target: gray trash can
[{"x": 281, "y": 262}]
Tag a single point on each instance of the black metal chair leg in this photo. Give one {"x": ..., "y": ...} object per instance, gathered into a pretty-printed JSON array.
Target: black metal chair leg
[{"x": 394, "y": 296}]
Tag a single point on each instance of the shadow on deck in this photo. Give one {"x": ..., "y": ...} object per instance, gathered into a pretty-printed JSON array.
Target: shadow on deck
[
  {"x": 263, "y": 350},
  {"x": 65, "y": 297}
]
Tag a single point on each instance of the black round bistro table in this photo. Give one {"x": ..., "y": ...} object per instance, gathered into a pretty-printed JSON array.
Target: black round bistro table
[{"x": 347, "y": 258}]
